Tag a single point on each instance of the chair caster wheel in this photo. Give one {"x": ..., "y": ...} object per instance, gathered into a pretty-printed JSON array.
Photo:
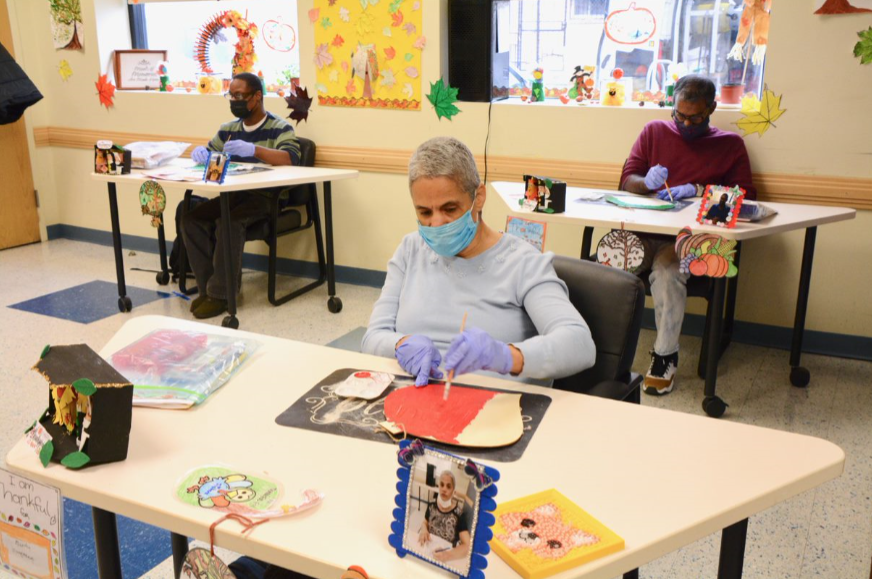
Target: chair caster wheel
[
  {"x": 334, "y": 304},
  {"x": 163, "y": 277},
  {"x": 230, "y": 322},
  {"x": 124, "y": 304},
  {"x": 799, "y": 376},
  {"x": 714, "y": 406}
]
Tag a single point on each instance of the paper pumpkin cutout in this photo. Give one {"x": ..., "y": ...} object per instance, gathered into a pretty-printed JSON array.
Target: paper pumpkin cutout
[
  {"x": 299, "y": 102},
  {"x": 621, "y": 249},
  {"x": 90, "y": 406},
  {"x": 279, "y": 36},
  {"x": 106, "y": 91},
  {"x": 442, "y": 97},
  {"x": 246, "y": 32},
  {"x": 705, "y": 254},
  {"x": 471, "y": 417},
  {"x": 153, "y": 201},
  {"x": 546, "y": 533},
  {"x": 630, "y": 26},
  {"x": 755, "y": 16},
  {"x": 759, "y": 120}
]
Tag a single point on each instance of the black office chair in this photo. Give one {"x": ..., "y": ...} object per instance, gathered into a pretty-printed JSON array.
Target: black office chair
[
  {"x": 611, "y": 301},
  {"x": 286, "y": 218}
]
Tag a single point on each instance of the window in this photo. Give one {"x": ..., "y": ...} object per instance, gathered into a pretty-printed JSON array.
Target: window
[
  {"x": 650, "y": 40},
  {"x": 179, "y": 26}
]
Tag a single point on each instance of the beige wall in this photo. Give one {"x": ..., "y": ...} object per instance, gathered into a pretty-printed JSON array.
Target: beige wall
[{"x": 825, "y": 131}]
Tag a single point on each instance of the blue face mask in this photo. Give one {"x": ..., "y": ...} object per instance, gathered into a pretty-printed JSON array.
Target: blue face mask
[
  {"x": 450, "y": 239},
  {"x": 689, "y": 133}
]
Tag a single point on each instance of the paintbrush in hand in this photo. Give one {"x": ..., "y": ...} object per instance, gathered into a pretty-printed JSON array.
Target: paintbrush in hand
[{"x": 451, "y": 372}]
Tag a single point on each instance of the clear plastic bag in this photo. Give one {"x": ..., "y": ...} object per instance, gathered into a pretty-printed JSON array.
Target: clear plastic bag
[
  {"x": 151, "y": 154},
  {"x": 178, "y": 369}
]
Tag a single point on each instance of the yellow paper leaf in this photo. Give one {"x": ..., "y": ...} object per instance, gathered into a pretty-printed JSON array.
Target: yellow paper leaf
[
  {"x": 750, "y": 103},
  {"x": 65, "y": 70},
  {"x": 759, "y": 121}
]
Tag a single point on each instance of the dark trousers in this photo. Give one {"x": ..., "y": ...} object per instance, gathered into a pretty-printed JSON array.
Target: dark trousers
[{"x": 201, "y": 227}]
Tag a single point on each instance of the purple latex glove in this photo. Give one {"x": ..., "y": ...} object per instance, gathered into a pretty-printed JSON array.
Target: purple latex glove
[
  {"x": 200, "y": 155},
  {"x": 418, "y": 356},
  {"x": 475, "y": 349},
  {"x": 656, "y": 177},
  {"x": 680, "y": 192},
  {"x": 239, "y": 148}
]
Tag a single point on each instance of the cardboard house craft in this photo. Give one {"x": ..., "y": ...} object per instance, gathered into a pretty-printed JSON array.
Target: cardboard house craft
[{"x": 89, "y": 408}]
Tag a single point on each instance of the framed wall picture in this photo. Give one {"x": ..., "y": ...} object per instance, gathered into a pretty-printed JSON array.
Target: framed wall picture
[{"x": 137, "y": 69}]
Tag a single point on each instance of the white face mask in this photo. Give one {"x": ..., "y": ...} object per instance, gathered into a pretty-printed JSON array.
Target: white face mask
[{"x": 445, "y": 505}]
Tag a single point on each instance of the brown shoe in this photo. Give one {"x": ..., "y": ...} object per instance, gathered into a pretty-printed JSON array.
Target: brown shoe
[
  {"x": 197, "y": 301},
  {"x": 210, "y": 308}
]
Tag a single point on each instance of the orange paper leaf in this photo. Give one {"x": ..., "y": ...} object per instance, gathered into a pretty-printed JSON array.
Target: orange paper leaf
[
  {"x": 397, "y": 18},
  {"x": 106, "y": 90},
  {"x": 390, "y": 53},
  {"x": 338, "y": 41}
]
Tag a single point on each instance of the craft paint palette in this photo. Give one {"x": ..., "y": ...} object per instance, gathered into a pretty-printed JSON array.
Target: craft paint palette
[{"x": 366, "y": 385}]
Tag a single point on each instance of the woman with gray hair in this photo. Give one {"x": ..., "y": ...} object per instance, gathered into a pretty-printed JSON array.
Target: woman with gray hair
[{"x": 521, "y": 321}]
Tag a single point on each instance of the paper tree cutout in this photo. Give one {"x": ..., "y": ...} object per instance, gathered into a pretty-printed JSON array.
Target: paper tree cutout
[
  {"x": 65, "y": 70},
  {"x": 299, "y": 103},
  {"x": 106, "y": 90},
  {"x": 622, "y": 250},
  {"x": 443, "y": 97},
  {"x": 839, "y": 7},
  {"x": 863, "y": 49},
  {"x": 705, "y": 254},
  {"x": 760, "y": 120}
]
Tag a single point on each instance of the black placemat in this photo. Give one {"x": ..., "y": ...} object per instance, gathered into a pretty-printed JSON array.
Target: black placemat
[{"x": 321, "y": 410}]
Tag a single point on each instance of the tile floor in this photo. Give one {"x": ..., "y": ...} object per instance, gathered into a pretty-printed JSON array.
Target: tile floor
[{"x": 825, "y": 532}]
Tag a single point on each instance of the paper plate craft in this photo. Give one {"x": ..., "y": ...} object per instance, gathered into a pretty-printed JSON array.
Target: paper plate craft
[
  {"x": 720, "y": 206},
  {"x": 546, "y": 533},
  {"x": 705, "y": 254},
  {"x": 621, "y": 249},
  {"x": 89, "y": 407},
  {"x": 473, "y": 417},
  {"x": 364, "y": 384},
  {"x": 216, "y": 167},
  {"x": 638, "y": 202},
  {"x": 548, "y": 194},
  {"x": 201, "y": 562},
  {"x": 153, "y": 201},
  {"x": 444, "y": 504}
]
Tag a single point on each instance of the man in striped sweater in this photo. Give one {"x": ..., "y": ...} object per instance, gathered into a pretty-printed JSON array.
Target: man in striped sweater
[{"x": 256, "y": 136}]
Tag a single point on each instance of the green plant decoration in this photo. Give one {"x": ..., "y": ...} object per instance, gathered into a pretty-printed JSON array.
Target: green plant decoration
[{"x": 863, "y": 49}]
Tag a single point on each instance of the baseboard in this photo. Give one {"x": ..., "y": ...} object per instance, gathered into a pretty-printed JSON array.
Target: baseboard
[
  {"x": 813, "y": 342},
  {"x": 257, "y": 262}
]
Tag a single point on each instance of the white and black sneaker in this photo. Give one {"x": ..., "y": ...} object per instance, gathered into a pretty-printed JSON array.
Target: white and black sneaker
[{"x": 661, "y": 374}]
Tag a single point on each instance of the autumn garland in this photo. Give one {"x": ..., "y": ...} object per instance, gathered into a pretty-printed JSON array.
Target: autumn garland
[{"x": 244, "y": 59}]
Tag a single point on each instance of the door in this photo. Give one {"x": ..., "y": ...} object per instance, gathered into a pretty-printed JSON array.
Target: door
[{"x": 19, "y": 220}]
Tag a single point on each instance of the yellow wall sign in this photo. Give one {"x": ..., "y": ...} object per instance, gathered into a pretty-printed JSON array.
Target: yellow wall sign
[{"x": 368, "y": 52}]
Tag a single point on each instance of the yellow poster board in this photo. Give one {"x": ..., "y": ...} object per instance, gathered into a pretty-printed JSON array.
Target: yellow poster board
[{"x": 368, "y": 52}]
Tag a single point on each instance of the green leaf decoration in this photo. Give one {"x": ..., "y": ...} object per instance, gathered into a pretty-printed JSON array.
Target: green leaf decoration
[
  {"x": 45, "y": 351},
  {"x": 863, "y": 49},
  {"x": 76, "y": 460},
  {"x": 395, "y": 5},
  {"x": 45, "y": 453},
  {"x": 547, "y": 210},
  {"x": 548, "y": 183},
  {"x": 443, "y": 97},
  {"x": 84, "y": 387}
]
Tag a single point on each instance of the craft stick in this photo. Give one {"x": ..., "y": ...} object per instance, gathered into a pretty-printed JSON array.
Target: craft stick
[
  {"x": 451, "y": 372},
  {"x": 668, "y": 192}
]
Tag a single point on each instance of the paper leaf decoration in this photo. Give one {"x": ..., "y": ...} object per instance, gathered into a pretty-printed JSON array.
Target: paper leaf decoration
[
  {"x": 750, "y": 103},
  {"x": 420, "y": 43},
  {"x": 387, "y": 78},
  {"x": 45, "y": 351},
  {"x": 344, "y": 14},
  {"x": 321, "y": 87},
  {"x": 314, "y": 14},
  {"x": 364, "y": 24},
  {"x": 75, "y": 460},
  {"x": 106, "y": 90},
  {"x": 395, "y": 6},
  {"x": 338, "y": 41},
  {"x": 325, "y": 23},
  {"x": 365, "y": 3},
  {"x": 443, "y": 97},
  {"x": 412, "y": 72},
  {"x": 322, "y": 56},
  {"x": 351, "y": 87},
  {"x": 390, "y": 53},
  {"x": 760, "y": 121},
  {"x": 45, "y": 453},
  {"x": 299, "y": 104},
  {"x": 386, "y": 31},
  {"x": 84, "y": 387},
  {"x": 397, "y": 18},
  {"x": 334, "y": 75},
  {"x": 408, "y": 90},
  {"x": 410, "y": 28},
  {"x": 863, "y": 49},
  {"x": 65, "y": 70}
]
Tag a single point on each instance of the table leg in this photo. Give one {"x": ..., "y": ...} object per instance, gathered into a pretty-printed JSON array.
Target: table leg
[
  {"x": 230, "y": 321},
  {"x": 183, "y": 254},
  {"x": 106, "y": 541},
  {"x": 711, "y": 404},
  {"x": 180, "y": 549},
  {"x": 586, "y": 238},
  {"x": 124, "y": 303},
  {"x": 163, "y": 276},
  {"x": 334, "y": 304},
  {"x": 733, "y": 550},
  {"x": 800, "y": 376}
]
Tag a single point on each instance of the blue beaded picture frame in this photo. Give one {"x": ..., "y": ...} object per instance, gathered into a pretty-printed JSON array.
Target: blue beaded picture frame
[
  {"x": 441, "y": 496},
  {"x": 216, "y": 167}
]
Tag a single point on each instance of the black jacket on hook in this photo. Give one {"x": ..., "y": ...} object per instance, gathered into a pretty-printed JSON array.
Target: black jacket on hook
[{"x": 17, "y": 92}]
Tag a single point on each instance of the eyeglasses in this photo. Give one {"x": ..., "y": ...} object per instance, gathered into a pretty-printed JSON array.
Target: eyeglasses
[
  {"x": 694, "y": 119},
  {"x": 240, "y": 96}
]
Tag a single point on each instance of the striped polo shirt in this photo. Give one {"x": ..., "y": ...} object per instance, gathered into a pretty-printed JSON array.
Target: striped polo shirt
[{"x": 273, "y": 133}]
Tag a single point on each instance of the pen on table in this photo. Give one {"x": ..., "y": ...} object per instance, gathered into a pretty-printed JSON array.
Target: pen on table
[
  {"x": 181, "y": 295},
  {"x": 668, "y": 192},
  {"x": 451, "y": 372}
]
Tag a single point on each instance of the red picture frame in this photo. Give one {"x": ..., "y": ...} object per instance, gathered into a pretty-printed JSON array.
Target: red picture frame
[{"x": 720, "y": 206}]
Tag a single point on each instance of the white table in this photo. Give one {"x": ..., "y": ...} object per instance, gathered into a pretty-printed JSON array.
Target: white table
[
  {"x": 276, "y": 177},
  {"x": 597, "y": 452},
  {"x": 790, "y": 217}
]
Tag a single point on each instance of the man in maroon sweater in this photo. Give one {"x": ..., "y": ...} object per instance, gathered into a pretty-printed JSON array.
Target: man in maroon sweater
[{"x": 690, "y": 154}]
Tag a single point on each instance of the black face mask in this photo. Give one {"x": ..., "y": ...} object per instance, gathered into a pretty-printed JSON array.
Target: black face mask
[{"x": 240, "y": 109}]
